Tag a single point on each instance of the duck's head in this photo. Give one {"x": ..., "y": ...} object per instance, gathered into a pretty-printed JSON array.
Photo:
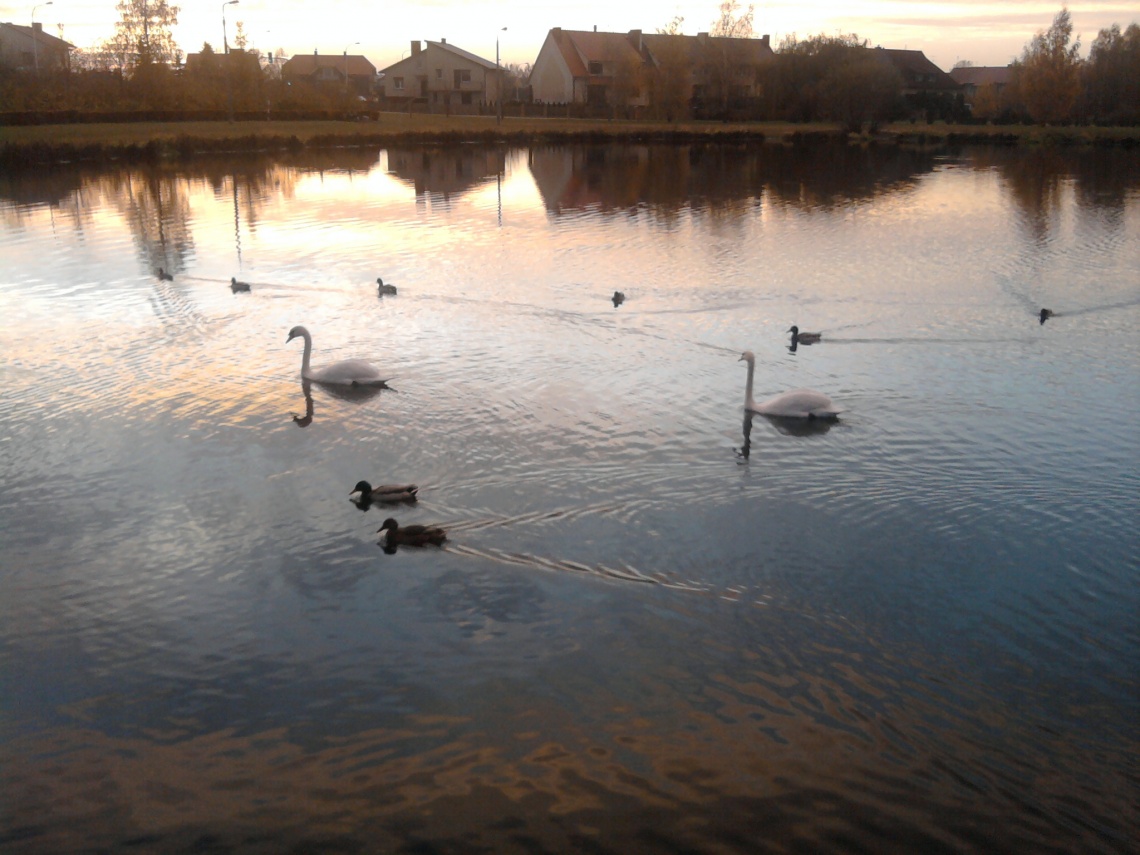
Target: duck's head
[
  {"x": 389, "y": 525},
  {"x": 362, "y": 487},
  {"x": 794, "y": 330}
]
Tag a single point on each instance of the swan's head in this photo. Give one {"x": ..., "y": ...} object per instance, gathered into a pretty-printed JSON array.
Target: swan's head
[
  {"x": 297, "y": 332},
  {"x": 748, "y": 357}
]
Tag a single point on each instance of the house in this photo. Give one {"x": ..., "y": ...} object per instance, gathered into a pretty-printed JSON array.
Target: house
[
  {"x": 973, "y": 78},
  {"x": 588, "y": 67},
  {"x": 445, "y": 78},
  {"x": 349, "y": 71},
  {"x": 919, "y": 75},
  {"x": 31, "y": 49}
]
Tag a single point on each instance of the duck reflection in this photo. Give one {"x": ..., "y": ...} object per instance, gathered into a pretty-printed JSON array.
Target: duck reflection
[{"x": 356, "y": 394}]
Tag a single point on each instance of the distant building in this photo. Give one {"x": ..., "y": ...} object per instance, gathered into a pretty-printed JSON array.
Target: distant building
[
  {"x": 919, "y": 75},
  {"x": 441, "y": 78},
  {"x": 351, "y": 70},
  {"x": 973, "y": 78},
  {"x": 588, "y": 67},
  {"x": 29, "y": 48}
]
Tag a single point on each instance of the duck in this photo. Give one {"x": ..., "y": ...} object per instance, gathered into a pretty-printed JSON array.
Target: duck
[
  {"x": 164, "y": 276},
  {"x": 365, "y": 492},
  {"x": 236, "y": 286},
  {"x": 410, "y": 535},
  {"x": 803, "y": 337},
  {"x": 347, "y": 372},
  {"x": 385, "y": 289},
  {"x": 794, "y": 404},
  {"x": 618, "y": 298},
  {"x": 1045, "y": 315}
]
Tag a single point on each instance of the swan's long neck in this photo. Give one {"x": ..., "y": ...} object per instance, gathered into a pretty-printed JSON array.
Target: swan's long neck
[
  {"x": 308, "y": 352},
  {"x": 749, "y": 404}
]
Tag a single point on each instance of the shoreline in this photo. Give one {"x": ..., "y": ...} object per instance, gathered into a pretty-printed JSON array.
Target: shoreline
[{"x": 45, "y": 145}]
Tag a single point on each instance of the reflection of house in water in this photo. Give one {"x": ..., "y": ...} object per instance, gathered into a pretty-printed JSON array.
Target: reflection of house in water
[
  {"x": 723, "y": 180},
  {"x": 445, "y": 172}
]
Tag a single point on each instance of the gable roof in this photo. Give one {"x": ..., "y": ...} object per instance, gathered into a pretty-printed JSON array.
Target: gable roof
[
  {"x": 982, "y": 75},
  {"x": 39, "y": 36},
  {"x": 467, "y": 55},
  {"x": 306, "y": 64},
  {"x": 916, "y": 67},
  {"x": 581, "y": 47}
]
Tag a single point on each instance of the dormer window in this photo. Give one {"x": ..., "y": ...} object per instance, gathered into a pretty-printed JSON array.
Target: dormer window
[{"x": 595, "y": 67}]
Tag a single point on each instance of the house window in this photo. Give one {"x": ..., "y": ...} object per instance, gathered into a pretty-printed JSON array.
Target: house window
[
  {"x": 465, "y": 98},
  {"x": 462, "y": 76},
  {"x": 439, "y": 74},
  {"x": 398, "y": 83},
  {"x": 595, "y": 67}
]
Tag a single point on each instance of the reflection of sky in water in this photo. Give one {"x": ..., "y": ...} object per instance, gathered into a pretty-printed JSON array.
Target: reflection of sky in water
[{"x": 629, "y": 616}]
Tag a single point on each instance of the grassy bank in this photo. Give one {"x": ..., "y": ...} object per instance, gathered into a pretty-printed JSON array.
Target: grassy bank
[{"x": 39, "y": 144}]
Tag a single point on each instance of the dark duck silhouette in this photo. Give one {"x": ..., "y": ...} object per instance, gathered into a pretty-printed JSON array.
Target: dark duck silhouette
[
  {"x": 164, "y": 276},
  {"x": 364, "y": 493},
  {"x": 383, "y": 289},
  {"x": 803, "y": 337},
  {"x": 236, "y": 286},
  {"x": 1045, "y": 315},
  {"x": 618, "y": 298},
  {"x": 409, "y": 535}
]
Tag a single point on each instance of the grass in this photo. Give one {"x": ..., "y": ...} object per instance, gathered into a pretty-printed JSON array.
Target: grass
[{"x": 33, "y": 144}]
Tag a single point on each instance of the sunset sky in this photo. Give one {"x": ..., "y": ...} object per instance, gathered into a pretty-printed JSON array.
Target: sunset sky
[{"x": 986, "y": 32}]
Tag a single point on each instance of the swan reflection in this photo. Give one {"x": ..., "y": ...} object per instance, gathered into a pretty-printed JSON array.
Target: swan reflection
[
  {"x": 356, "y": 394},
  {"x": 801, "y": 427},
  {"x": 746, "y": 448}
]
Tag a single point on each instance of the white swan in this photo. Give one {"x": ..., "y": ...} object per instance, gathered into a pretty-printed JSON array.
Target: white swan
[
  {"x": 796, "y": 404},
  {"x": 347, "y": 372}
]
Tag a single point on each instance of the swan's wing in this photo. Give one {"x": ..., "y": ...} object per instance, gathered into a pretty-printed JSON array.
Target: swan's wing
[
  {"x": 349, "y": 372},
  {"x": 799, "y": 404}
]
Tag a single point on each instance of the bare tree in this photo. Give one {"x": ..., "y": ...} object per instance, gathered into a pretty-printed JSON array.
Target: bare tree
[
  {"x": 142, "y": 34},
  {"x": 732, "y": 23}
]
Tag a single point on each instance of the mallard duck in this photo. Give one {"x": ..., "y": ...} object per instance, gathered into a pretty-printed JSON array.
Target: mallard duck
[
  {"x": 347, "y": 372},
  {"x": 236, "y": 286},
  {"x": 618, "y": 298},
  {"x": 383, "y": 289},
  {"x": 796, "y": 404},
  {"x": 365, "y": 492},
  {"x": 1045, "y": 315},
  {"x": 804, "y": 337},
  {"x": 410, "y": 535},
  {"x": 164, "y": 276}
]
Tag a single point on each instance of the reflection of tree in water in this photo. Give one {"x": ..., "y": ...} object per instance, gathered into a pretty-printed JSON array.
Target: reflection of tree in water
[
  {"x": 721, "y": 180},
  {"x": 445, "y": 171},
  {"x": 1103, "y": 177}
]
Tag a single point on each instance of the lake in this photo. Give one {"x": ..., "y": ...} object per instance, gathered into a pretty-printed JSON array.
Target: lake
[{"x": 657, "y": 625}]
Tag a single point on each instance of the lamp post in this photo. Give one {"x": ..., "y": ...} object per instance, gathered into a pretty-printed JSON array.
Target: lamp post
[
  {"x": 36, "y": 41},
  {"x": 226, "y": 45},
  {"x": 498, "y": 82},
  {"x": 346, "y": 47}
]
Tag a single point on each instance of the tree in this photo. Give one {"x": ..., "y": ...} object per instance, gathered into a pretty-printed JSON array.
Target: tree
[
  {"x": 1047, "y": 77},
  {"x": 732, "y": 23},
  {"x": 142, "y": 34},
  {"x": 673, "y": 28},
  {"x": 1112, "y": 76}
]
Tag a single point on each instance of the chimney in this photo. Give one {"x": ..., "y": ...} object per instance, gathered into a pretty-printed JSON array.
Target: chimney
[
  {"x": 37, "y": 27},
  {"x": 635, "y": 39},
  {"x": 415, "y": 46},
  {"x": 443, "y": 41},
  {"x": 766, "y": 40},
  {"x": 595, "y": 28},
  {"x": 315, "y": 52}
]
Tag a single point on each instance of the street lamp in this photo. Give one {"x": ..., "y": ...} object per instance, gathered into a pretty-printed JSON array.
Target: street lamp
[
  {"x": 346, "y": 47},
  {"x": 229, "y": 76},
  {"x": 498, "y": 82},
  {"x": 225, "y": 41},
  {"x": 36, "y": 41}
]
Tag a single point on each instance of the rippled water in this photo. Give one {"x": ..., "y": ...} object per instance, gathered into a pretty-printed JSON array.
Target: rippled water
[{"x": 656, "y": 626}]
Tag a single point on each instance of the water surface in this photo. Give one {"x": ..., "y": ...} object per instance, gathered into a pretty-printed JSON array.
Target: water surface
[{"x": 657, "y": 625}]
